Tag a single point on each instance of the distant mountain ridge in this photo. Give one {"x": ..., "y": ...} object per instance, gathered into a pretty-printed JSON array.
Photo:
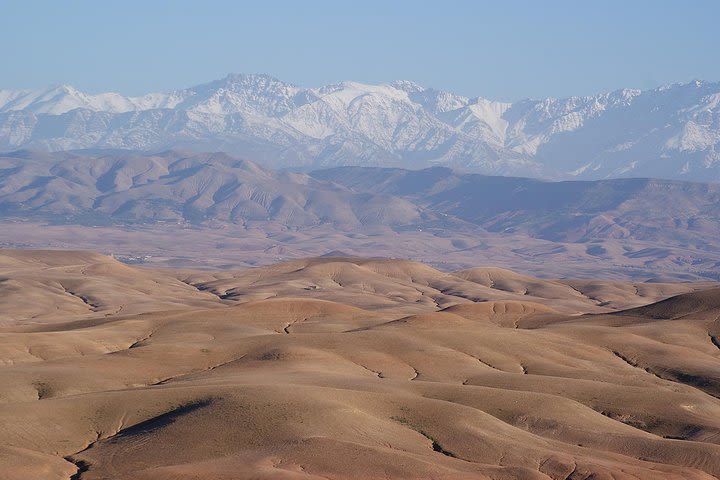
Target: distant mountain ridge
[
  {"x": 193, "y": 189},
  {"x": 667, "y": 132},
  {"x": 569, "y": 211},
  {"x": 644, "y": 225}
]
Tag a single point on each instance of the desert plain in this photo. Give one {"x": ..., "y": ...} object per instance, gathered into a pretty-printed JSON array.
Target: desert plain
[{"x": 351, "y": 368}]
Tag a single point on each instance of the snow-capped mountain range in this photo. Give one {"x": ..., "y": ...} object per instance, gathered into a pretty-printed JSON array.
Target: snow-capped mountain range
[{"x": 670, "y": 132}]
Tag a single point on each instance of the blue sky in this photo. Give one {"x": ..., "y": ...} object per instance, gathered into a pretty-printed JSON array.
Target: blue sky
[{"x": 500, "y": 50}]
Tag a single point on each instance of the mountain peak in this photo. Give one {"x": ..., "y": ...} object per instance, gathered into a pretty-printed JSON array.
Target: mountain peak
[
  {"x": 407, "y": 86},
  {"x": 244, "y": 80},
  {"x": 257, "y": 116},
  {"x": 63, "y": 88}
]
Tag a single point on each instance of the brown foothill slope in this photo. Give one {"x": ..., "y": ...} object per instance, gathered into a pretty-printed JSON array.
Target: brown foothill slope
[
  {"x": 349, "y": 368},
  {"x": 49, "y": 286},
  {"x": 695, "y": 303}
]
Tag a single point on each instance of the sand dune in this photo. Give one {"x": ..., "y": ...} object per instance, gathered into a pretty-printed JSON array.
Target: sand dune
[{"x": 348, "y": 368}]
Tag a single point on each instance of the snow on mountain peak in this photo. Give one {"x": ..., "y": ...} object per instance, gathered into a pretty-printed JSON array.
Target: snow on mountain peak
[
  {"x": 407, "y": 86},
  {"x": 668, "y": 131}
]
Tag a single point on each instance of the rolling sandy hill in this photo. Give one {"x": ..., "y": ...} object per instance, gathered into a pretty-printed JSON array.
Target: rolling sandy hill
[{"x": 351, "y": 368}]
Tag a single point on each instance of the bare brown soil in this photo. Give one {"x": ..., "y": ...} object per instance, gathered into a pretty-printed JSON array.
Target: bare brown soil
[{"x": 349, "y": 368}]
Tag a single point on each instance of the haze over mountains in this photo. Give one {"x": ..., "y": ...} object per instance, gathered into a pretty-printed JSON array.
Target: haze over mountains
[
  {"x": 216, "y": 210},
  {"x": 669, "y": 132}
]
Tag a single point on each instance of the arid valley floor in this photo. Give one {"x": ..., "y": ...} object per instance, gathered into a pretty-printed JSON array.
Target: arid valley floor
[{"x": 348, "y": 368}]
